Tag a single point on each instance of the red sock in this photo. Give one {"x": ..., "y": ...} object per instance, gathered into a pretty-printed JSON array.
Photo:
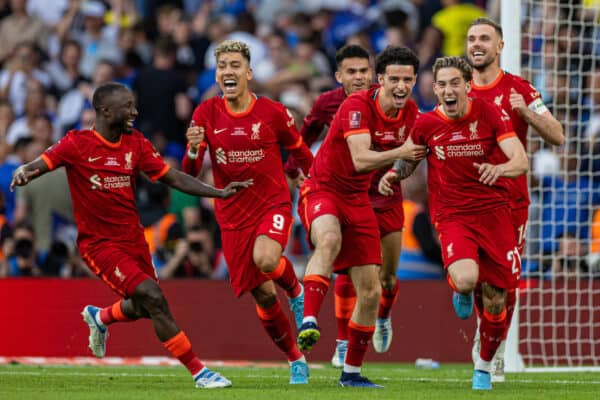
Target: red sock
[
  {"x": 511, "y": 300},
  {"x": 285, "y": 276},
  {"x": 359, "y": 338},
  {"x": 181, "y": 348},
  {"x": 111, "y": 314},
  {"x": 491, "y": 330},
  {"x": 345, "y": 299},
  {"x": 278, "y": 328},
  {"x": 315, "y": 289},
  {"x": 388, "y": 298}
]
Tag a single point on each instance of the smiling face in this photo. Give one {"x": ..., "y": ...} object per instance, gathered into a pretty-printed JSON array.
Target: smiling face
[
  {"x": 232, "y": 75},
  {"x": 484, "y": 46},
  {"x": 354, "y": 74},
  {"x": 451, "y": 90},
  {"x": 121, "y": 111},
  {"x": 397, "y": 83}
]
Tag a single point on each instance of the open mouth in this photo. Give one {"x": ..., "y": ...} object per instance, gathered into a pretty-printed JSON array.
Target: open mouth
[
  {"x": 400, "y": 97},
  {"x": 229, "y": 85},
  {"x": 450, "y": 104},
  {"x": 130, "y": 122}
]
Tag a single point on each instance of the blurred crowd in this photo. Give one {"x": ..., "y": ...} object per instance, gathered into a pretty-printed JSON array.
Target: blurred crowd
[{"x": 53, "y": 54}]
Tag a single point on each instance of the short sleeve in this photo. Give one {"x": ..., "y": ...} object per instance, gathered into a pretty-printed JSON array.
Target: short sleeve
[
  {"x": 354, "y": 117},
  {"x": 151, "y": 162},
  {"x": 64, "y": 152}
]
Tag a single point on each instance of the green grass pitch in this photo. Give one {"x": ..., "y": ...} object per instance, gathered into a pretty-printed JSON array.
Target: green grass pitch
[{"x": 401, "y": 381}]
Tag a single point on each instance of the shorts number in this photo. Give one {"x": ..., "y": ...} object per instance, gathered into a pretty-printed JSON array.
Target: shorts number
[
  {"x": 278, "y": 222},
  {"x": 522, "y": 233},
  {"x": 514, "y": 256}
]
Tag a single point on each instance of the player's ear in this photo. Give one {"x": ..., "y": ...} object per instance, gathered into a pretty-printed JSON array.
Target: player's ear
[
  {"x": 249, "y": 74},
  {"x": 468, "y": 86},
  {"x": 500, "y": 45},
  {"x": 380, "y": 79},
  {"x": 338, "y": 77}
]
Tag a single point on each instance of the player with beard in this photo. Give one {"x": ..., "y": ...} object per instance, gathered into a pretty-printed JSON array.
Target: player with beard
[
  {"x": 472, "y": 150},
  {"x": 517, "y": 98},
  {"x": 102, "y": 165},
  {"x": 243, "y": 134}
]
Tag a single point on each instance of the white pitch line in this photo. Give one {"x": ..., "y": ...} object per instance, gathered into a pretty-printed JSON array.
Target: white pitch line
[{"x": 381, "y": 378}]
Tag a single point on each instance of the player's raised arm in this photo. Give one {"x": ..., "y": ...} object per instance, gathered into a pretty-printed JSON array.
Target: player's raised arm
[
  {"x": 196, "y": 187},
  {"x": 27, "y": 172},
  {"x": 543, "y": 122}
]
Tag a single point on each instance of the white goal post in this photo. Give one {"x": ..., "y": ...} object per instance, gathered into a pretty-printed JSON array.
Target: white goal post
[{"x": 556, "y": 326}]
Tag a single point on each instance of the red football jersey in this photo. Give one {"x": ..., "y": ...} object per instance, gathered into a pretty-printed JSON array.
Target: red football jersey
[
  {"x": 247, "y": 146},
  {"x": 396, "y": 133},
  {"x": 359, "y": 113},
  {"x": 454, "y": 145},
  {"x": 498, "y": 92},
  {"x": 101, "y": 178}
]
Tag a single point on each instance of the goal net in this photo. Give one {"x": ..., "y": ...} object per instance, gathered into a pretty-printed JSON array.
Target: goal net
[{"x": 558, "y": 43}]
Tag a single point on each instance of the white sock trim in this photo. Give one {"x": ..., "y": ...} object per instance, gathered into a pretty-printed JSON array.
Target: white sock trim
[
  {"x": 99, "y": 321},
  {"x": 302, "y": 358},
  {"x": 483, "y": 365},
  {"x": 351, "y": 369},
  {"x": 310, "y": 318}
]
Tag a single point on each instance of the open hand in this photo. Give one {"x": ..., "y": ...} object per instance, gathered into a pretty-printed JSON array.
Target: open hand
[
  {"x": 385, "y": 183},
  {"x": 488, "y": 173},
  {"x": 233, "y": 187}
]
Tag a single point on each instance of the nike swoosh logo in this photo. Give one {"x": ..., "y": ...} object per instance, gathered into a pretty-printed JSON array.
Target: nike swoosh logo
[
  {"x": 275, "y": 232},
  {"x": 217, "y": 131},
  {"x": 436, "y": 137},
  {"x": 92, "y": 159}
]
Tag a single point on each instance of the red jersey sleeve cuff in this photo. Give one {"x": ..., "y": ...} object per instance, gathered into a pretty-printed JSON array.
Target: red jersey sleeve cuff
[
  {"x": 505, "y": 136},
  {"x": 356, "y": 132},
  {"x": 48, "y": 162},
  {"x": 162, "y": 173}
]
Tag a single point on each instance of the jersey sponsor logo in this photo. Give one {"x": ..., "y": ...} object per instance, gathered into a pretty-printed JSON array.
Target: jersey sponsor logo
[
  {"x": 128, "y": 160},
  {"x": 439, "y": 152},
  {"x": 379, "y": 134},
  {"x": 255, "y": 131},
  {"x": 355, "y": 117},
  {"x": 112, "y": 162},
  {"x": 498, "y": 100},
  {"x": 238, "y": 156},
  {"x": 110, "y": 182},
  {"x": 220, "y": 156},
  {"x": 217, "y": 131},
  {"x": 96, "y": 181},
  {"x": 92, "y": 159}
]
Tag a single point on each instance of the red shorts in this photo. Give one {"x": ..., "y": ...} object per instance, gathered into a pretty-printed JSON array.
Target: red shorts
[
  {"x": 520, "y": 216},
  {"x": 360, "y": 234},
  {"x": 486, "y": 238},
  {"x": 121, "y": 266},
  {"x": 390, "y": 219},
  {"x": 238, "y": 248}
]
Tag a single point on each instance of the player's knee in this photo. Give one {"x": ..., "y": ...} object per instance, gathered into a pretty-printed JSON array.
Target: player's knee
[
  {"x": 371, "y": 295},
  {"x": 494, "y": 299},
  {"x": 152, "y": 300},
  {"x": 388, "y": 281},
  {"x": 267, "y": 262},
  {"x": 329, "y": 241},
  {"x": 465, "y": 283},
  {"x": 266, "y": 300}
]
